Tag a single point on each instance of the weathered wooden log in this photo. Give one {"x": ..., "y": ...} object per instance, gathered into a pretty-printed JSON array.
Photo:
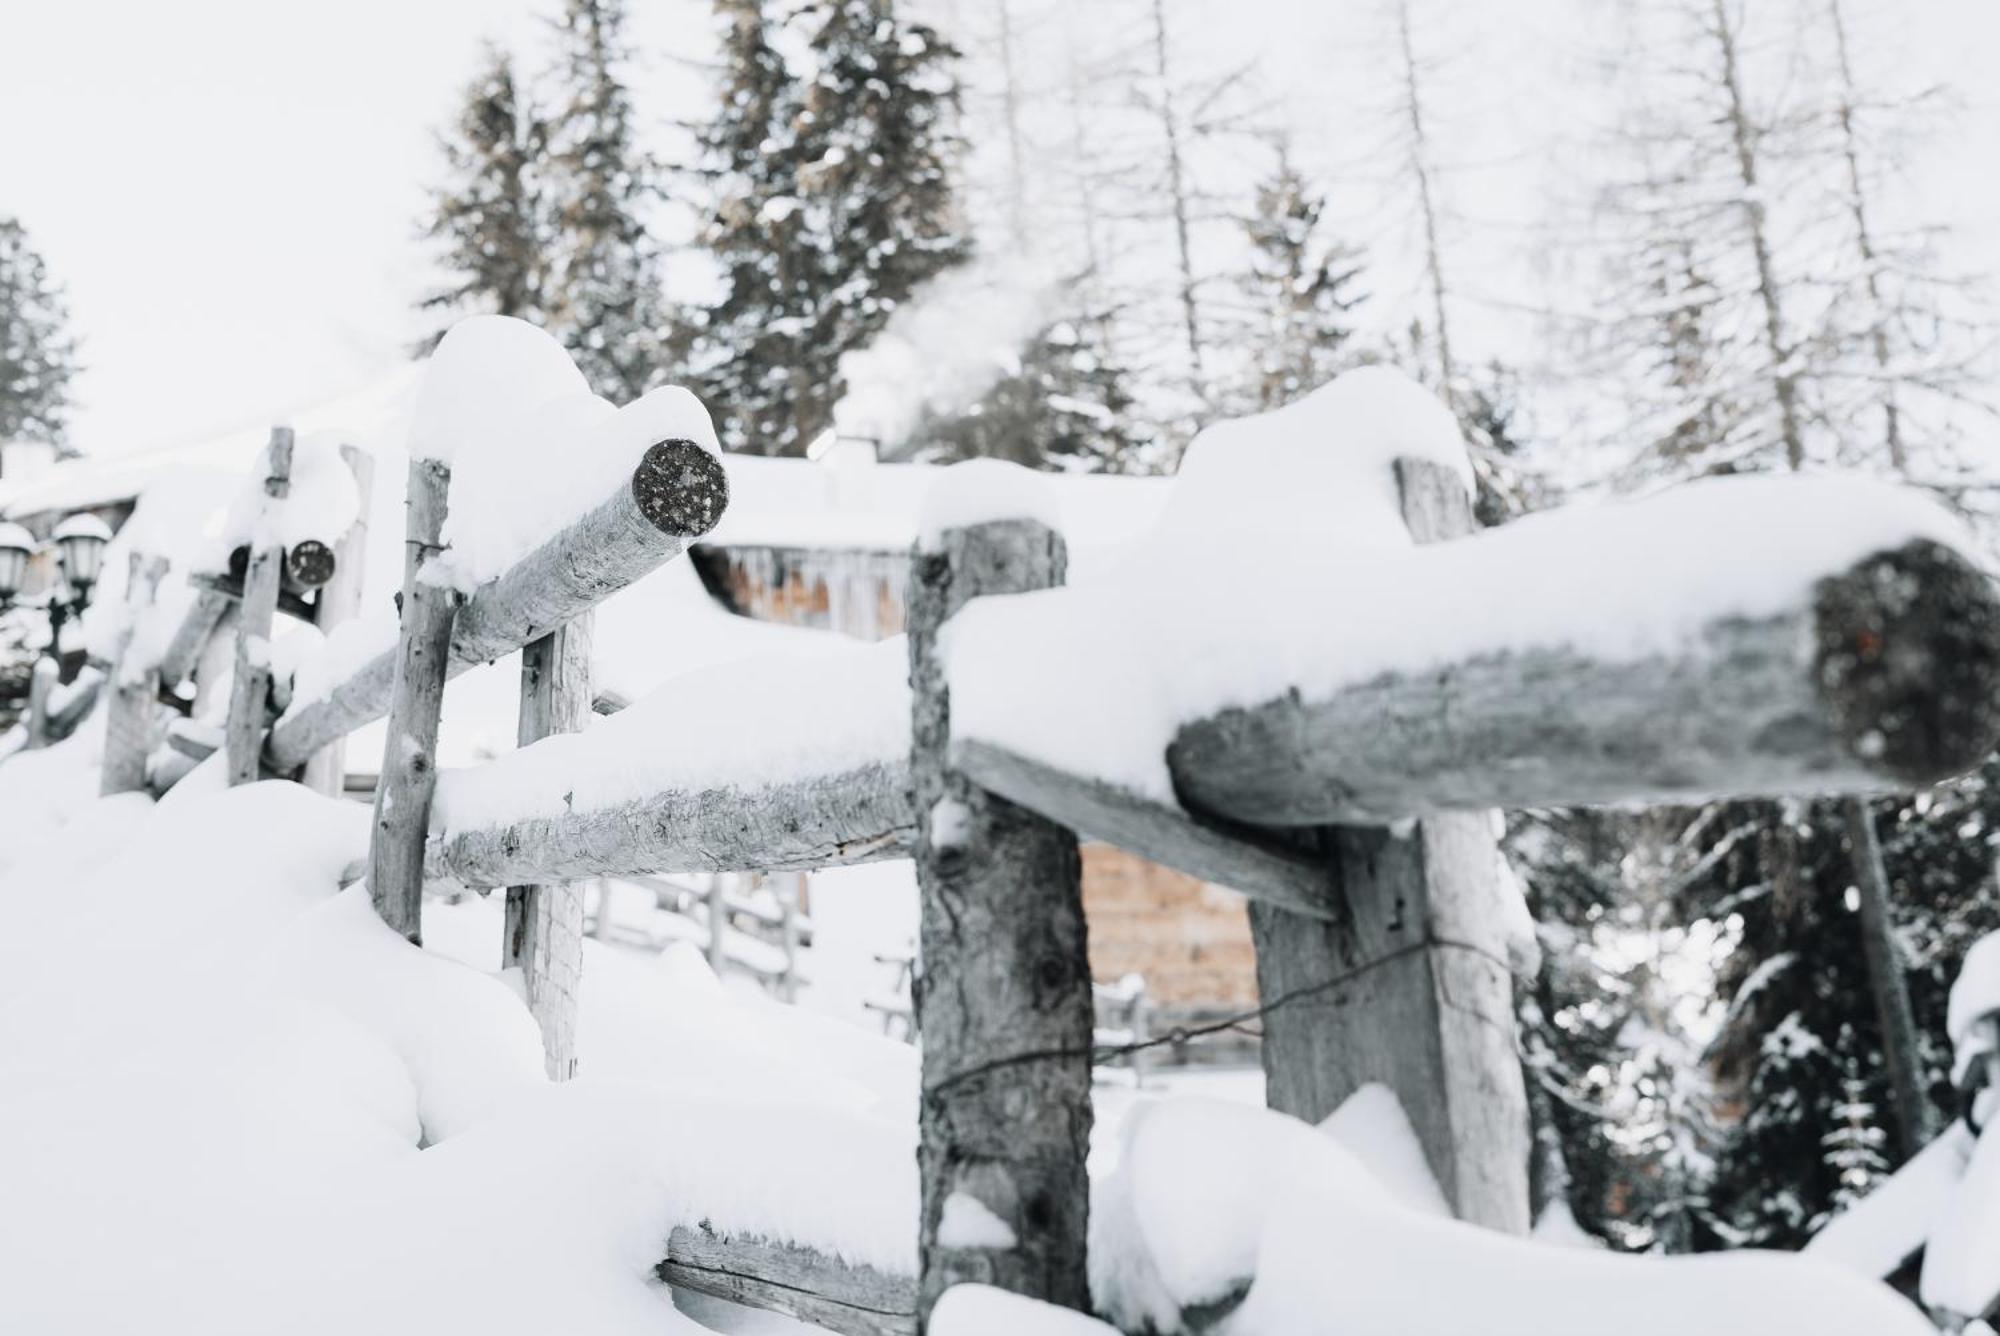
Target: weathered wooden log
[
  {"x": 42, "y": 680},
  {"x": 131, "y": 723},
  {"x": 544, "y": 924},
  {"x": 1249, "y": 861},
  {"x": 1004, "y": 1003},
  {"x": 339, "y": 602},
  {"x": 677, "y": 493},
  {"x": 1410, "y": 986},
  {"x": 1886, "y": 679},
  {"x": 250, "y": 696},
  {"x": 189, "y": 638},
  {"x": 230, "y": 587},
  {"x": 861, "y": 815},
  {"x": 799, "y": 1282},
  {"x": 409, "y": 753},
  {"x": 68, "y": 706}
]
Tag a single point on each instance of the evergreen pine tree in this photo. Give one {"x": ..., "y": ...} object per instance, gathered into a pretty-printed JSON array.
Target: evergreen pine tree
[
  {"x": 37, "y": 355},
  {"x": 1301, "y": 287},
  {"x": 605, "y": 299},
  {"x": 835, "y": 204},
  {"x": 493, "y": 219},
  {"x": 1065, "y": 406}
]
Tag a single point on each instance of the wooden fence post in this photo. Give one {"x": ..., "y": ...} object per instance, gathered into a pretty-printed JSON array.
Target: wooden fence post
[
  {"x": 1427, "y": 1006},
  {"x": 43, "y": 676},
  {"x": 131, "y": 723},
  {"x": 339, "y": 601},
  {"x": 1004, "y": 1000},
  {"x": 249, "y": 697},
  {"x": 545, "y": 923},
  {"x": 409, "y": 756}
]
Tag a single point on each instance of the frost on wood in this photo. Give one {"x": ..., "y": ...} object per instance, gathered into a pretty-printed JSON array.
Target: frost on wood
[
  {"x": 250, "y": 693},
  {"x": 1004, "y": 1003},
  {"x": 677, "y": 489}
]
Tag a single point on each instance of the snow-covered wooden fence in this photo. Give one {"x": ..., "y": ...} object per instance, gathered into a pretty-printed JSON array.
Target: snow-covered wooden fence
[{"x": 1348, "y": 805}]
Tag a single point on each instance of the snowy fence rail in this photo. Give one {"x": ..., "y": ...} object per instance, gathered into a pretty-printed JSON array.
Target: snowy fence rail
[{"x": 1382, "y": 956}]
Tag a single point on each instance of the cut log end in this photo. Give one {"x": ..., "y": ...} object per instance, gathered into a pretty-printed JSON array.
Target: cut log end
[
  {"x": 309, "y": 564},
  {"x": 1907, "y": 658},
  {"x": 681, "y": 488}
]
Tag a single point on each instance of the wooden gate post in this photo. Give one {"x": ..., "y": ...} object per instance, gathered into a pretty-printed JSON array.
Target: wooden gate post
[
  {"x": 409, "y": 755},
  {"x": 131, "y": 721},
  {"x": 1427, "y": 1008},
  {"x": 339, "y": 601},
  {"x": 545, "y": 923},
  {"x": 250, "y": 696},
  {"x": 1004, "y": 1001}
]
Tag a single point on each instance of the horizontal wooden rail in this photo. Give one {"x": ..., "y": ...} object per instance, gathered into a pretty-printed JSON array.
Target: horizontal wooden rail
[
  {"x": 799, "y": 1282},
  {"x": 677, "y": 493},
  {"x": 861, "y": 815},
  {"x": 1886, "y": 679}
]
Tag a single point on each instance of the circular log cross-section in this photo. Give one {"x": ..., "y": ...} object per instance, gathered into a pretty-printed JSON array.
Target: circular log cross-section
[
  {"x": 308, "y": 564},
  {"x": 681, "y": 488},
  {"x": 1884, "y": 679}
]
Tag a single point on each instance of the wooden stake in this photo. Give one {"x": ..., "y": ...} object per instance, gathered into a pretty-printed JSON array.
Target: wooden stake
[
  {"x": 131, "y": 724},
  {"x": 409, "y": 757},
  {"x": 545, "y": 922},
  {"x": 1004, "y": 1002},
  {"x": 1426, "y": 1006},
  {"x": 249, "y": 698},
  {"x": 340, "y": 602},
  {"x": 42, "y": 680}
]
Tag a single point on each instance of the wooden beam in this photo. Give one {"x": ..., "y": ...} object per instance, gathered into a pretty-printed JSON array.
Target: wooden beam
[
  {"x": 1887, "y": 678},
  {"x": 43, "y": 677},
  {"x": 339, "y": 602},
  {"x": 409, "y": 754},
  {"x": 1426, "y": 1002},
  {"x": 544, "y": 925},
  {"x": 801, "y": 1283},
  {"x": 183, "y": 651},
  {"x": 861, "y": 815},
  {"x": 250, "y": 696},
  {"x": 131, "y": 724},
  {"x": 1250, "y": 861},
  {"x": 1005, "y": 1006},
  {"x": 677, "y": 493},
  {"x": 230, "y": 589}
]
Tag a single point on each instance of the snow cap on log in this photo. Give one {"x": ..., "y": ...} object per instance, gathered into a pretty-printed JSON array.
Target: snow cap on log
[
  {"x": 979, "y": 491},
  {"x": 486, "y": 372}
]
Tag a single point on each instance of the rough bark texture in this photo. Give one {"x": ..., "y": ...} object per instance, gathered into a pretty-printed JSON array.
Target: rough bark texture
[
  {"x": 544, "y": 934},
  {"x": 800, "y": 1282},
  {"x": 853, "y": 816},
  {"x": 1411, "y": 988},
  {"x": 677, "y": 493},
  {"x": 340, "y": 602},
  {"x": 1004, "y": 1002},
  {"x": 183, "y": 652},
  {"x": 1898, "y": 687},
  {"x": 1244, "y": 860},
  {"x": 409, "y": 756},
  {"x": 250, "y": 696},
  {"x": 131, "y": 722},
  {"x": 1916, "y": 1123}
]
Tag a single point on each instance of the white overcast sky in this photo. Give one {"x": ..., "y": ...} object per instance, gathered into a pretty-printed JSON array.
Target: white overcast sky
[{"x": 228, "y": 188}]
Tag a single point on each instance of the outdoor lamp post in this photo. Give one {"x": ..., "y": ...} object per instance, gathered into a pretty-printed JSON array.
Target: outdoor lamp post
[
  {"x": 17, "y": 545},
  {"x": 80, "y": 541}
]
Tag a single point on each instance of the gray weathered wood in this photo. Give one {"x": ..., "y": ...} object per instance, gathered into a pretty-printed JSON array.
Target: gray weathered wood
[
  {"x": 131, "y": 723},
  {"x": 1902, "y": 1052},
  {"x": 250, "y": 696},
  {"x": 800, "y": 1282},
  {"x": 1004, "y": 1002},
  {"x": 1245, "y": 860},
  {"x": 183, "y": 651},
  {"x": 409, "y": 755},
  {"x": 677, "y": 493},
  {"x": 1887, "y": 679},
  {"x": 861, "y": 815},
  {"x": 1411, "y": 987},
  {"x": 42, "y": 680},
  {"x": 544, "y": 932},
  {"x": 339, "y": 602}
]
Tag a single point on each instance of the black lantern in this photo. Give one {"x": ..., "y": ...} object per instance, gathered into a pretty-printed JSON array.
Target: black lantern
[
  {"x": 17, "y": 546},
  {"x": 80, "y": 542}
]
